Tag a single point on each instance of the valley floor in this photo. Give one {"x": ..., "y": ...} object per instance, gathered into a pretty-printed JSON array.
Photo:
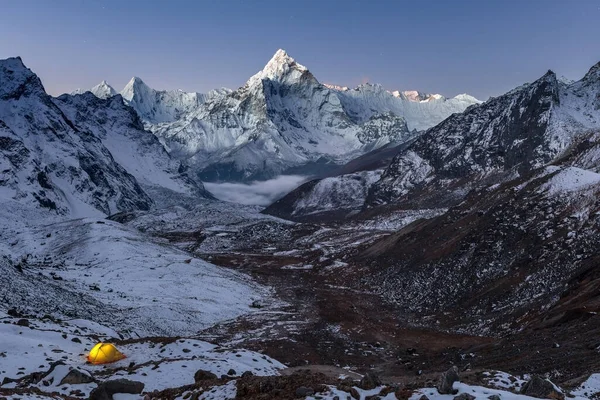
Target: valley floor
[{"x": 224, "y": 289}]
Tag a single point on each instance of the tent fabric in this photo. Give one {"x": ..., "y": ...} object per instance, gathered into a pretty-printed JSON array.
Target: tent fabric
[{"x": 104, "y": 353}]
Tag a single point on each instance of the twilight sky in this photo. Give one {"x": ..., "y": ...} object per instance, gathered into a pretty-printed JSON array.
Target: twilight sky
[{"x": 482, "y": 47}]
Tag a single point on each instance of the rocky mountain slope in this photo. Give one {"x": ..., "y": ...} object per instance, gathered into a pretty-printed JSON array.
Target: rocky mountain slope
[
  {"x": 48, "y": 161},
  {"x": 138, "y": 151},
  {"x": 511, "y": 134}
]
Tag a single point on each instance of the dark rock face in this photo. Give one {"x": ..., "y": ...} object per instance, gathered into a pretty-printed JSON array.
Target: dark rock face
[
  {"x": 541, "y": 388},
  {"x": 106, "y": 390},
  {"x": 447, "y": 381}
]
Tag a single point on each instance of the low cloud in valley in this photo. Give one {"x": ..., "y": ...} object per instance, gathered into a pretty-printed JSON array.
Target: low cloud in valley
[{"x": 260, "y": 193}]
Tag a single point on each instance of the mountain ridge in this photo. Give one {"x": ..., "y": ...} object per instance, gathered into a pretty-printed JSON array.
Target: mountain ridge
[{"x": 282, "y": 119}]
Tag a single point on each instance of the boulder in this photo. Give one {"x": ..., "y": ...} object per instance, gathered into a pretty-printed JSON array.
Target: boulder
[
  {"x": 447, "y": 381},
  {"x": 106, "y": 389},
  {"x": 303, "y": 391},
  {"x": 202, "y": 375},
  {"x": 369, "y": 381},
  {"x": 541, "y": 388},
  {"x": 494, "y": 397},
  {"x": 464, "y": 396},
  {"x": 231, "y": 372},
  {"x": 76, "y": 377}
]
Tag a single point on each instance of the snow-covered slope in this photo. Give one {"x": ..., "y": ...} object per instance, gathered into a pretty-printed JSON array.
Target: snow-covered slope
[
  {"x": 47, "y": 161},
  {"x": 138, "y": 151},
  {"x": 337, "y": 196},
  {"x": 145, "y": 287},
  {"x": 158, "y": 106},
  {"x": 281, "y": 118}
]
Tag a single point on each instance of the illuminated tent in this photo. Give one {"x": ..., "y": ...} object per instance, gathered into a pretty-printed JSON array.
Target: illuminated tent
[{"x": 104, "y": 353}]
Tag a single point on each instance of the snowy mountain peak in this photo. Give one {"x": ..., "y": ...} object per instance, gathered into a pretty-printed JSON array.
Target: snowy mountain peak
[
  {"x": 414, "y": 95},
  {"x": 17, "y": 80},
  {"x": 279, "y": 59},
  {"x": 281, "y": 67},
  {"x": 136, "y": 89},
  {"x": 466, "y": 97},
  {"x": 103, "y": 90}
]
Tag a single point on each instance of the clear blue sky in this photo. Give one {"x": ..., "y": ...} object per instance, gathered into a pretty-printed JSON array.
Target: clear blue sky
[{"x": 482, "y": 47}]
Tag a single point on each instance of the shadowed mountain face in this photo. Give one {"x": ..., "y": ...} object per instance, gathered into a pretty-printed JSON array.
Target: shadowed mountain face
[
  {"x": 79, "y": 153},
  {"x": 48, "y": 160}
]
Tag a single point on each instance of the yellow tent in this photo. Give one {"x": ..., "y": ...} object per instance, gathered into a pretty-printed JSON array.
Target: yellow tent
[{"x": 104, "y": 353}]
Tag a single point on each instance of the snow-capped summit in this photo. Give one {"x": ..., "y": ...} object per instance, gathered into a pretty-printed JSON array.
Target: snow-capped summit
[
  {"x": 416, "y": 96},
  {"x": 282, "y": 68},
  {"x": 103, "y": 90},
  {"x": 336, "y": 87},
  {"x": 135, "y": 89},
  {"x": 420, "y": 110},
  {"x": 159, "y": 106},
  {"x": 282, "y": 118}
]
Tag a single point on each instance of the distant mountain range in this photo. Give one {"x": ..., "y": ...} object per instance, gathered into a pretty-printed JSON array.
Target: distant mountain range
[{"x": 281, "y": 121}]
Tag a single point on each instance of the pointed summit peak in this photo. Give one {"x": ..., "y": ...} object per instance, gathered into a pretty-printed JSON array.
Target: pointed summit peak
[
  {"x": 135, "y": 81},
  {"x": 281, "y": 67},
  {"x": 281, "y": 57},
  {"x": 103, "y": 90},
  {"x": 136, "y": 88}
]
